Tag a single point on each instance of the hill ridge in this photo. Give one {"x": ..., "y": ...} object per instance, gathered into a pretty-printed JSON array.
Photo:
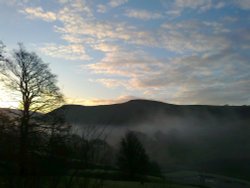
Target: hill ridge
[{"x": 140, "y": 110}]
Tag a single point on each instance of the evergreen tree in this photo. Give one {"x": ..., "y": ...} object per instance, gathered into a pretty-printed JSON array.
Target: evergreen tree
[{"x": 132, "y": 158}]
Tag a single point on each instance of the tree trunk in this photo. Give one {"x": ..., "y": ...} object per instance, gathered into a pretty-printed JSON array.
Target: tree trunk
[{"x": 23, "y": 152}]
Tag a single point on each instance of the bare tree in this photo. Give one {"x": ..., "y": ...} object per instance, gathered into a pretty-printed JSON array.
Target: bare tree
[
  {"x": 24, "y": 73},
  {"x": 2, "y": 46},
  {"x": 89, "y": 149}
]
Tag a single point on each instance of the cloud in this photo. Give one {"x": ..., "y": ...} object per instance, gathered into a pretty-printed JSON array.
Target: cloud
[
  {"x": 116, "y": 3},
  {"x": 142, "y": 14},
  {"x": 220, "y": 5},
  {"x": 243, "y": 4},
  {"x": 193, "y": 36},
  {"x": 201, "y": 60},
  {"x": 217, "y": 68},
  {"x": 63, "y": 1},
  {"x": 204, "y": 5},
  {"x": 74, "y": 23},
  {"x": 184, "y": 36},
  {"x": 184, "y": 80},
  {"x": 173, "y": 13},
  {"x": 81, "y": 6},
  {"x": 101, "y": 8},
  {"x": 73, "y": 38},
  {"x": 194, "y": 4},
  {"x": 232, "y": 94},
  {"x": 69, "y": 52},
  {"x": 105, "y": 47},
  {"x": 78, "y": 26},
  {"x": 179, "y": 6},
  {"x": 202, "y": 80},
  {"x": 124, "y": 63},
  {"x": 39, "y": 13},
  {"x": 14, "y": 2}
]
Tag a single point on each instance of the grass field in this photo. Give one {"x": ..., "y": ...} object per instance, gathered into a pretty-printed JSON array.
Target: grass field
[
  {"x": 96, "y": 179},
  {"x": 80, "y": 182},
  {"x": 98, "y": 183},
  {"x": 206, "y": 179},
  {"x": 94, "y": 183},
  {"x": 123, "y": 184}
]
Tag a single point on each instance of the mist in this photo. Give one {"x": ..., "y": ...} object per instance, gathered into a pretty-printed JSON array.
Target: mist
[
  {"x": 216, "y": 145},
  {"x": 211, "y": 139}
]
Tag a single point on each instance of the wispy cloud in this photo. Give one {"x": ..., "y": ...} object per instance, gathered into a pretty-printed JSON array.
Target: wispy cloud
[
  {"x": 116, "y": 3},
  {"x": 194, "y": 60},
  {"x": 179, "y": 6},
  {"x": 69, "y": 52},
  {"x": 63, "y": 1},
  {"x": 111, "y": 83},
  {"x": 173, "y": 37},
  {"x": 14, "y": 2},
  {"x": 74, "y": 23},
  {"x": 243, "y": 4},
  {"x": 39, "y": 13},
  {"x": 194, "y": 4},
  {"x": 200, "y": 79},
  {"x": 195, "y": 36},
  {"x": 143, "y": 14},
  {"x": 102, "y": 8},
  {"x": 124, "y": 63},
  {"x": 105, "y": 47}
]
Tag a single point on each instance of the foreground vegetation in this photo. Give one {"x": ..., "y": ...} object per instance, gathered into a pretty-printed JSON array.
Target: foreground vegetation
[
  {"x": 81, "y": 182},
  {"x": 35, "y": 145}
]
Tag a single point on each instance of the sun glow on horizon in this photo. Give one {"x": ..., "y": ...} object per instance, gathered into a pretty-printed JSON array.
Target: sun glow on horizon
[
  {"x": 99, "y": 101},
  {"x": 7, "y": 100}
]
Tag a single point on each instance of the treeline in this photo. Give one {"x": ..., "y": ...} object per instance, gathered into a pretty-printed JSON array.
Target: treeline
[{"x": 53, "y": 150}]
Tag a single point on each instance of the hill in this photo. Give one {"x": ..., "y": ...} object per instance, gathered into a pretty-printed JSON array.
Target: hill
[
  {"x": 138, "y": 111},
  {"x": 212, "y": 139}
]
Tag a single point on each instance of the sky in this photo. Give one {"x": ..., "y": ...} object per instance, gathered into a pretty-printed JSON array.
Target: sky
[{"x": 111, "y": 51}]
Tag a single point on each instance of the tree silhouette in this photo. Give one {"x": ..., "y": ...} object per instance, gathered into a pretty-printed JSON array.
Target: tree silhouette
[
  {"x": 26, "y": 75},
  {"x": 132, "y": 158}
]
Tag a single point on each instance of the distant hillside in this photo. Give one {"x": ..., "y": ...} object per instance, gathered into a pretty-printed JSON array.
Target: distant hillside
[
  {"x": 212, "y": 139},
  {"x": 16, "y": 112},
  {"x": 10, "y": 112},
  {"x": 139, "y": 111}
]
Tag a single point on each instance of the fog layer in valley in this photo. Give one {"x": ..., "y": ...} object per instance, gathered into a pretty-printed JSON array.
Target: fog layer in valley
[{"x": 199, "y": 138}]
